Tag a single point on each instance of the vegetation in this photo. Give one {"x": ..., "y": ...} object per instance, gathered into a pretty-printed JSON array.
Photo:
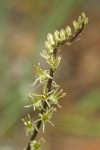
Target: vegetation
[{"x": 47, "y": 101}]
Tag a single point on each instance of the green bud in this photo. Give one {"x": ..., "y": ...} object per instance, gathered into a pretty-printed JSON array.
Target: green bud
[
  {"x": 57, "y": 36},
  {"x": 83, "y": 15},
  {"x": 62, "y": 34},
  {"x": 86, "y": 20},
  {"x": 45, "y": 54},
  {"x": 80, "y": 21},
  {"x": 49, "y": 47},
  {"x": 54, "y": 62},
  {"x": 35, "y": 145},
  {"x": 50, "y": 38},
  {"x": 75, "y": 25},
  {"x": 29, "y": 127},
  {"x": 68, "y": 31}
]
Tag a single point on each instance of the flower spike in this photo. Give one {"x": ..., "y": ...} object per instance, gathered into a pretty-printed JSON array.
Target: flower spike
[{"x": 46, "y": 101}]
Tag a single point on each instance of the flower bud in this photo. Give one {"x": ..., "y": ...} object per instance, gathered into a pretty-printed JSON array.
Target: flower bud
[
  {"x": 80, "y": 22},
  {"x": 68, "y": 31},
  {"x": 57, "y": 36},
  {"x": 75, "y": 25},
  {"x": 79, "y": 19},
  {"x": 62, "y": 34},
  {"x": 83, "y": 15},
  {"x": 86, "y": 20},
  {"x": 49, "y": 47},
  {"x": 51, "y": 39}
]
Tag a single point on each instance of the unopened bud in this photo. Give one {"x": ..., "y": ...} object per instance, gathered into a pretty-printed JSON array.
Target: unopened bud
[
  {"x": 48, "y": 46},
  {"x": 75, "y": 25},
  {"x": 62, "y": 34},
  {"x": 51, "y": 39},
  {"x": 57, "y": 36},
  {"x": 86, "y": 20},
  {"x": 68, "y": 31},
  {"x": 80, "y": 21},
  {"x": 83, "y": 15}
]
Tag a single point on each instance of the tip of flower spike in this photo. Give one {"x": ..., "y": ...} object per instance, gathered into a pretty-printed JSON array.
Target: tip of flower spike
[
  {"x": 83, "y": 15},
  {"x": 85, "y": 18}
]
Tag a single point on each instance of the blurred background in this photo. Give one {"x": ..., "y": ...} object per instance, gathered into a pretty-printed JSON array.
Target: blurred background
[{"x": 24, "y": 25}]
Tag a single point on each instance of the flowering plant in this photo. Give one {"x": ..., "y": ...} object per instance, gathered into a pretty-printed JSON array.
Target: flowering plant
[{"x": 47, "y": 101}]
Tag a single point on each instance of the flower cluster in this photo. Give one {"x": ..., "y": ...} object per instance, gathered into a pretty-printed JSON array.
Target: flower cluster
[
  {"x": 29, "y": 128},
  {"x": 46, "y": 101},
  {"x": 61, "y": 37},
  {"x": 41, "y": 76},
  {"x": 36, "y": 145},
  {"x": 46, "y": 117}
]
